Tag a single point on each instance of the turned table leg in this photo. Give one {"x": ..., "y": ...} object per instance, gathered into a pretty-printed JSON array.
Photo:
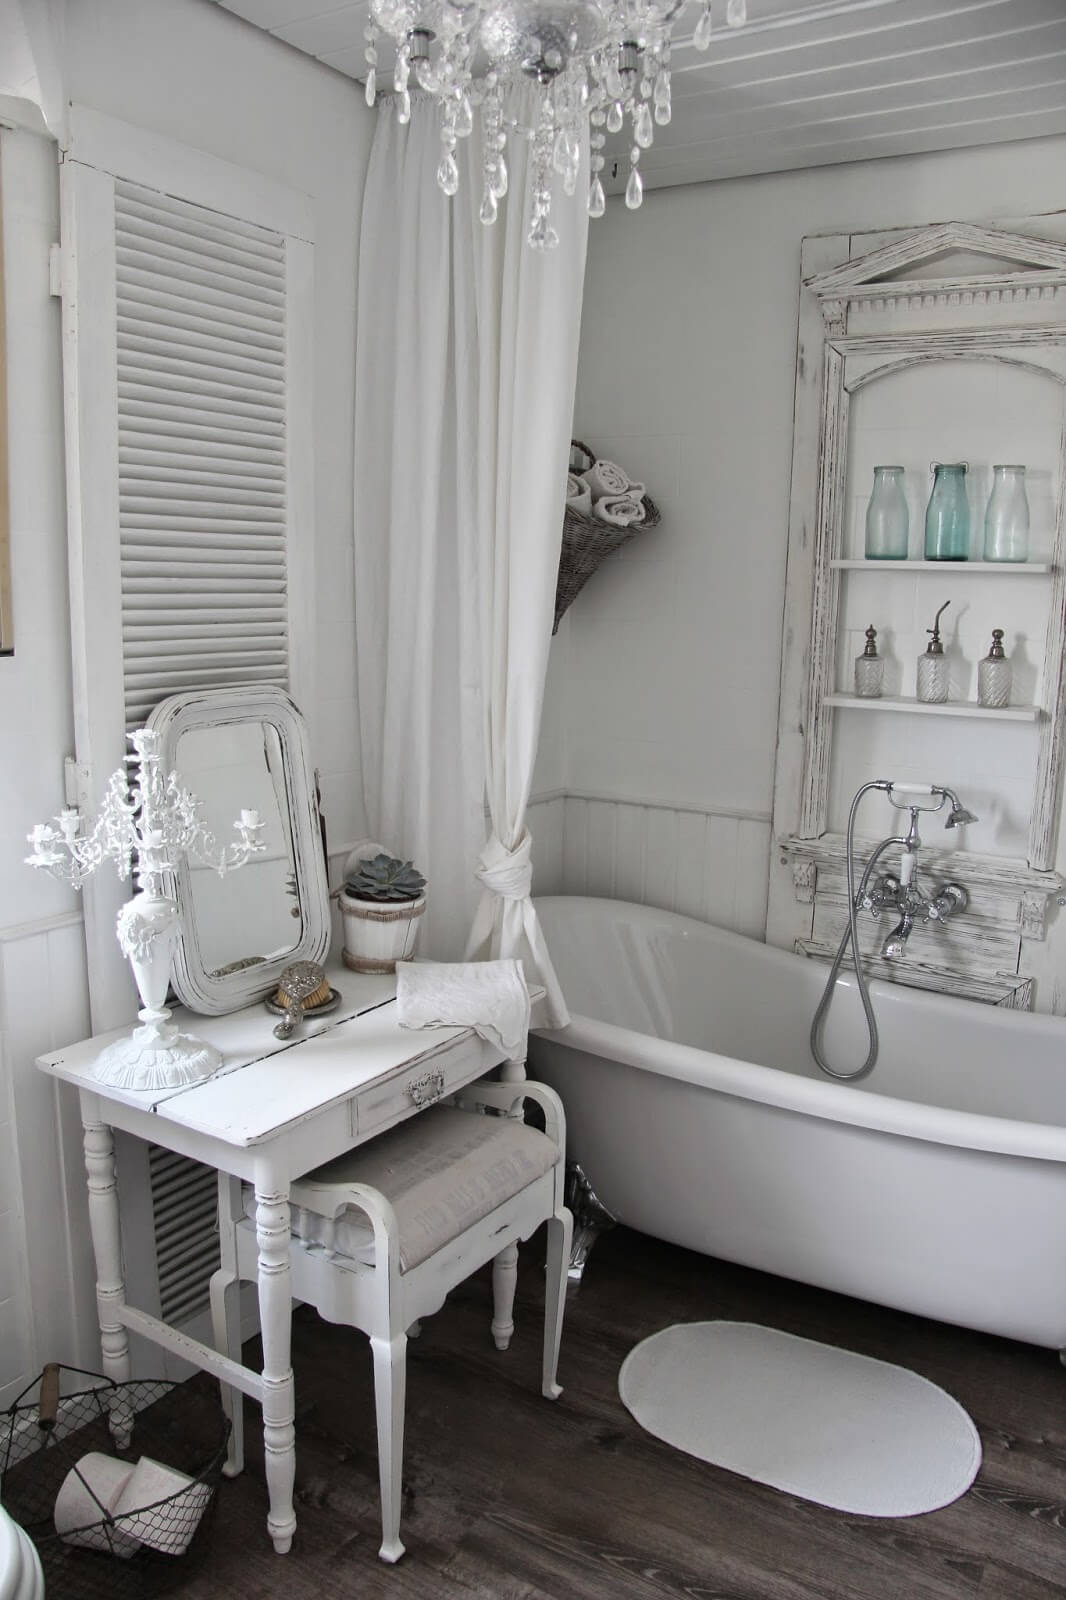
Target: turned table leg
[
  {"x": 107, "y": 1249},
  {"x": 272, "y": 1229}
]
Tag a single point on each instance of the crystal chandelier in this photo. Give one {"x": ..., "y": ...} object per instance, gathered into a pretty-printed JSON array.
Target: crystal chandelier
[{"x": 593, "y": 62}]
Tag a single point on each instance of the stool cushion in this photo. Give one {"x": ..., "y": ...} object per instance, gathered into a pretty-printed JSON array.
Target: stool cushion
[{"x": 441, "y": 1171}]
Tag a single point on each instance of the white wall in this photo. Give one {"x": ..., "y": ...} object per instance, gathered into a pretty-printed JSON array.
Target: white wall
[
  {"x": 662, "y": 690},
  {"x": 190, "y": 71},
  {"x": 42, "y": 984}
]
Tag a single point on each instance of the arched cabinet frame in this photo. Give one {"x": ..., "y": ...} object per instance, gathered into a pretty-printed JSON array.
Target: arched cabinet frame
[{"x": 866, "y": 314}]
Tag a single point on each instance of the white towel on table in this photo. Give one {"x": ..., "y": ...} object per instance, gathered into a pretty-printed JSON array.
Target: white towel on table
[
  {"x": 606, "y": 477},
  {"x": 578, "y": 494},
  {"x": 620, "y": 509},
  {"x": 489, "y": 996}
]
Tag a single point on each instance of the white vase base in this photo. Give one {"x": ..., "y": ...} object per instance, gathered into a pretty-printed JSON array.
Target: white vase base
[{"x": 156, "y": 1057}]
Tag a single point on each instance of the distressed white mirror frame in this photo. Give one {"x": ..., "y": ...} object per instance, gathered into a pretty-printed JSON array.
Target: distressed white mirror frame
[
  {"x": 212, "y": 992},
  {"x": 868, "y": 309}
]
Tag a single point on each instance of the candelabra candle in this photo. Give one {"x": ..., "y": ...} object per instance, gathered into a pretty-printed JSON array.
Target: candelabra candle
[{"x": 146, "y": 824}]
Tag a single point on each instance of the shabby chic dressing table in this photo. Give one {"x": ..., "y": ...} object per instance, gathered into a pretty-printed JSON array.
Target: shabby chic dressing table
[{"x": 274, "y": 1111}]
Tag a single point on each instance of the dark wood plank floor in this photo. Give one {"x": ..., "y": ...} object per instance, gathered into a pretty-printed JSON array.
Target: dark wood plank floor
[{"x": 511, "y": 1497}]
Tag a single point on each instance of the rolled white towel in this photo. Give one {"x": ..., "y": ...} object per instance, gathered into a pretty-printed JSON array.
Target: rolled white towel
[
  {"x": 622, "y": 510},
  {"x": 89, "y": 1493},
  {"x": 489, "y": 996},
  {"x": 606, "y": 477},
  {"x": 186, "y": 1502},
  {"x": 578, "y": 494}
]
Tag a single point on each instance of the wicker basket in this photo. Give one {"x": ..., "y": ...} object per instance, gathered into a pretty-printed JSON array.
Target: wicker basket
[
  {"x": 43, "y": 1438},
  {"x": 587, "y": 541}
]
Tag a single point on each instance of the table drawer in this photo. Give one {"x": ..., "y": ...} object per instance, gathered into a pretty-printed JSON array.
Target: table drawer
[{"x": 419, "y": 1085}]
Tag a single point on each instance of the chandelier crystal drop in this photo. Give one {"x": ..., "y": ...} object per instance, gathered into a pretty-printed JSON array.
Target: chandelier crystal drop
[{"x": 594, "y": 64}]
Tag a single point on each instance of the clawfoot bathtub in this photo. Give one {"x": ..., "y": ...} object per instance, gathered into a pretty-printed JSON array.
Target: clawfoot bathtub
[{"x": 936, "y": 1185}]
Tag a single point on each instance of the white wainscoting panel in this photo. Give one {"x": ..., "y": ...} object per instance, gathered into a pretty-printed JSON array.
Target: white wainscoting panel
[
  {"x": 702, "y": 864},
  {"x": 44, "y": 1004},
  {"x": 545, "y": 819},
  {"x": 16, "y": 1345}
]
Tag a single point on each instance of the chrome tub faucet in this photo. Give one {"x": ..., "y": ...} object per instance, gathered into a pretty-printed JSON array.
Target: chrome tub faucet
[{"x": 903, "y": 894}]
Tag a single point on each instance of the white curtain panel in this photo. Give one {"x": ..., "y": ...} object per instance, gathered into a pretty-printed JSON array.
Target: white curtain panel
[{"x": 466, "y": 365}]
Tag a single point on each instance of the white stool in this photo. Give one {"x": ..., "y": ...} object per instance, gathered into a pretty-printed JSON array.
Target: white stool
[{"x": 382, "y": 1235}]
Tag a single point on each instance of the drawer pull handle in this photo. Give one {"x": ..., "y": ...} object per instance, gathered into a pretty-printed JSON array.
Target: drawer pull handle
[{"x": 427, "y": 1088}]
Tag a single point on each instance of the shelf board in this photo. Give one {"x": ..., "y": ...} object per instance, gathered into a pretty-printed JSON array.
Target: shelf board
[
  {"x": 945, "y": 708},
  {"x": 1017, "y": 569}
]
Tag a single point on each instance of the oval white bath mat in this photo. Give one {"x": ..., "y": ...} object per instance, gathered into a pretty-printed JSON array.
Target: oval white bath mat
[{"x": 828, "y": 1425}]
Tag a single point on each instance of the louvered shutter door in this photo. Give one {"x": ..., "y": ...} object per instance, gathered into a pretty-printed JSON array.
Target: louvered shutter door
[
  {"x": 201, "y": 449},
  {"x": 185, "y": 335}
]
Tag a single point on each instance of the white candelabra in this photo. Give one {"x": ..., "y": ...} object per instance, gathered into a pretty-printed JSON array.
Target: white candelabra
[{"x": 147, "y": 822}]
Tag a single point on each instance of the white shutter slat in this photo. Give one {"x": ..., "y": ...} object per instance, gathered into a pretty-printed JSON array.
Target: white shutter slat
[
  {"x": 206, "y": 432},
  {"x": 144, "y": 581},
  {"x": 197, "y": 333},
  {"x": 206, "y": 285},
  {"x": 202, "y": 430},
  {"x": 190, "y": 347},
  {"x": 157, "y": 671},
  {"x": 191, "y": 465},
  {"x": 153, "y": 610},
  {"x": 134, "y": 303},
  {"x": 143, "y": 288},
  {"x": 202, "y": 409},
  {"x": 133, "y": 200},
  {"x": 146, "y": 486},
  {"x": 135, "y": 233},
  {"x": 222, "y": 633},
  {"x": 144, "y": 433},
  {"x": 190, "y": 376},
  {"x": 268, "y": 522}
]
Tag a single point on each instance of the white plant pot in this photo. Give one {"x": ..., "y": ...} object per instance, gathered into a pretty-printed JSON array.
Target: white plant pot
[{"x": 377, "y": 934}]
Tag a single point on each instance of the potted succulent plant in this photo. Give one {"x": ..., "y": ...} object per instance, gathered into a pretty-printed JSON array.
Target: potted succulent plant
[{"x": 381, "y": 902}]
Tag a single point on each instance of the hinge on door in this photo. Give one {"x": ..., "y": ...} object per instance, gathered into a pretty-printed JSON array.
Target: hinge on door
[
  {"x": 75, "y": 782},
  {"x": 55, "y": 270}
]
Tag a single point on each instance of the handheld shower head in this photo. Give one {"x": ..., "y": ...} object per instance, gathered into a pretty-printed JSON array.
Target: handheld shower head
[
  {"x": 958, "y": 813},
  {"x": 956, "y": 816}
]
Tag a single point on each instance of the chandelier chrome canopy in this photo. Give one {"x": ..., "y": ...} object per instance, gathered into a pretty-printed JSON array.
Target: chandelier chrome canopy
[{"x": 594, "y": 63}]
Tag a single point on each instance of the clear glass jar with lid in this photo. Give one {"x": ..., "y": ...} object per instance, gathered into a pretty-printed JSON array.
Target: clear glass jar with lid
[
  {"x": 1007, "y": 516},
  {"x": 869, "y": 669},
  {"x": 994, "y": 675}
]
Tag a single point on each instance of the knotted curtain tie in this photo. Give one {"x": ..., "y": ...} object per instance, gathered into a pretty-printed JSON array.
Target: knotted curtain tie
[{"x": 507, "y": 873}]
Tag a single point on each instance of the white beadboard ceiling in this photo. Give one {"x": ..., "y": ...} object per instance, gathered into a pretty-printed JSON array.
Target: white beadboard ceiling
[{"x": 804, "y": 83}]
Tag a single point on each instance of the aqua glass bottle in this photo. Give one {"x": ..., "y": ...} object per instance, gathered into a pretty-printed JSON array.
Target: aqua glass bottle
[
  {"x": 947, "y": 516},
  {"x": 887, "y": 518}
]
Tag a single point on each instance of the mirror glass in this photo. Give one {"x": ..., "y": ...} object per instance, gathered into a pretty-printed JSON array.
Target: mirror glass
[
  {"x": 242, "y": 750},
  {"x": 231, "y": 769}
]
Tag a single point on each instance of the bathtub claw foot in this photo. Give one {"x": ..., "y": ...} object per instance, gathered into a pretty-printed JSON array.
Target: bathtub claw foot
[{"x": 591, "y": 1218}]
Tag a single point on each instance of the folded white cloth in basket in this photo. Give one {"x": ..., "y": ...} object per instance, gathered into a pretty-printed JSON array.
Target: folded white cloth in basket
[
  {"x": 620, "y": 509},
  {"x": 578, "y": 494},
  {"x": 606, "y": 477},
  {"x": 489, "y": 996}
]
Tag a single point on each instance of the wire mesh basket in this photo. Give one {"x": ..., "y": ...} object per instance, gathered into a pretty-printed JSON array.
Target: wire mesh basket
[
  {"x": 79, "y": 1433},
  {"x": 587, "y": 540}
]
